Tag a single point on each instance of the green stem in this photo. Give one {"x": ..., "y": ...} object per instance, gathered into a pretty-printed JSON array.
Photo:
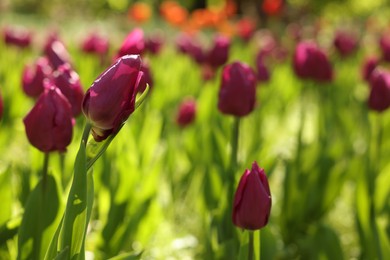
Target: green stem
[
  {"x": 259, "y": 244},
  {"x": 84, "y": 138},
  {"x": 233, "y": 155},
  {"x": 250, "y": 246},
  {"x": 45, "y": 168}
]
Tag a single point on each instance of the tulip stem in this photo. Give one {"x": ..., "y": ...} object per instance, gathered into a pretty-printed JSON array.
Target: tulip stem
[
  {"x": 84, "y": 138},
  {"x": 235, "y": 137},
  {"x": 45, "y": 170},
  {"x": 250, "y": 245}
]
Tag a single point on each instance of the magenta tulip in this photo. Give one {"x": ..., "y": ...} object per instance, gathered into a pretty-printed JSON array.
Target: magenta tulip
[
  {"x": 111, "y": 98},
  {"x": 237, "y": 94},
  {"x": 17, "y": 37},
  {"x": 219, "y": 52},
  {"x": 384, "y": 43},
  {"x": 133, "y": 44},
  {"x": 252, "y": 201},
  {"x": 33, "y": 77},
  {"x": 379, "y": 99},
  {"x": 369, "y": 65},
  {"x": 147, "y": 77},
  {"x": 49, "y": 123},
  {"x": 310, "y": 62},
  {"x": 186, "y": 113},
  {"x": 68, "y": 81},
  {"x": 57, "y": 53},
  {"x": 189, "y": 45},
  {"x": 345, "y": 43},
  {"x": 263, "y": 74},
  {"x": 154, "y": 43},
  {"x": 95, "y": 44}
]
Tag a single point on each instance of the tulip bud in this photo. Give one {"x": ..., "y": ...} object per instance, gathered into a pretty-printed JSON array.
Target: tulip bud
[
  {"x": 111, "y": 98},
  {"x": 237, "y": 94},
  {"x": 187, "y": 112},
  {"x": 56, "y": 53},
  {"x": 33, "y": 77},
  {"x": 368, "y": 67},
  {"x": 95, "y": 44},
  {"x": 189, "y": 45},
  {"x": 379, "y": 99},
  {"x": 154, "y": 43},
  {"x": 311, "y": 63},
  {"x": 133, "y": 44},
  {"x": 147, "y": 77},
  {"x": 49, "y": 123},
  {"x": 218, "y": 54},
  {"x": 345, "y": 43},
  {"x": 384, "y": 44},
  {"x": 68, "y": 81},
  {"x": 17, "y": 37},
  {"x": 252, "y": 201},
  {"x": 262, "y": 70}
]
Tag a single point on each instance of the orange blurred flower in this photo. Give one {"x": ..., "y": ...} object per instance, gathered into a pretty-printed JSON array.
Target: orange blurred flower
[
  {"x": 140, "y": 12},
  {"x": 173, "y": 13},
  {"x": 272, "y": 7}
]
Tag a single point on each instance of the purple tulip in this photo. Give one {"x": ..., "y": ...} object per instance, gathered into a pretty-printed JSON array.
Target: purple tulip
[
  {"x": 237, "y": 94},
  {"x": 186, "y": 113},
  {"x": 379, "y": 99},
  {"x": 189, "y": 45},
  {"x": 252, "y": 201},
  {"x": 133, "y": 44},
  {"x": 311, "y": 63},
  {"x": 17, "y": 37},
  {"x": 57, "y": 53},
  {"x": 33, "y": 77},
  {"x": 384, "y": 44},
  {"x": 345, "y": 43},
  {"x": 68, "y": 81},
  {"x": 95, "y": 44},
  {"x": 263, "y": 74},
  {"x": 111, "y": 98},
  {"x": 154, "y": 43},
  {"x": 219, "y": 53},
  {"x": 49, "y": 123},
  {"x": 369, "y": 65},
  {"x": 147, "y": 77}
]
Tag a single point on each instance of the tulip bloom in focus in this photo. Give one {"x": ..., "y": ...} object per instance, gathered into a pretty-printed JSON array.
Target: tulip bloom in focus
[
  {"x": 111, "y": 98},
  {"x": 379, "y": 99},
  {"x": 68, "y": 81},
  {"x": 33, "y": 77},
  {"x": 187, "y": 112},
  {"x": 237, "y": 94},
  {"x": 49, "y": 123},
  {"x": 310, "y": 62},
  {"x": 252, "y": 201}
]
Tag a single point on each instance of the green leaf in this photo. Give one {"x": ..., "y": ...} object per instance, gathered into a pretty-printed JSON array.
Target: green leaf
[
  {"x": 39, "y": 216},
  {"x": 127, "y": 256},
  {"x": 75, "y": 216},
  {"x": 51, "y": 252}
]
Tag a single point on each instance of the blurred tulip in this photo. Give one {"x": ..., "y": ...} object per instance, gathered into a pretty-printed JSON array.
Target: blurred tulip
[
  {"x": 173, "y": 13},
  {"x": 384, "y": 44},
  {"x": 219, "y": 53},
  {"x": 310, "y": 62},
  {"x": 368, "y": 67},
  {"x": 154, "y": 43},
  {"x": 252, "y": 201},
  {"x": 189, "y": 45},
  {"x": 133, "y": 44},
  {"x": 147, "y": 77},
  {"x": 95, "y": 44},
  {"x": 246, "y": 29},
  {"x": 345, "y": 43},
  {"x": 237, "y": 93},
  {"x": 17, "y": 37},
  {"x": 262, "y": 71},
  {"x": 379, "y": 99},
  {"x": 57, "y": 54},
  {"x": 272, "y": 7},
  {"x": 111, "y": 98},
  {"x": 33, "y": 77},
  {"x": 68, "y": 81},
  {"x": 49, "y": 123},
  {"x": 140, "y": 12},
  {"x": 187, "y": 112}
]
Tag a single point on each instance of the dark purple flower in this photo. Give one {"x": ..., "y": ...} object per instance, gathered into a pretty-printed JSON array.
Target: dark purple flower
[
  {"x": 17, "y": 37},
  {"x": 186, "y": 113},
  {"x": 219, "y": 52},
  {"x": 68, "y": 81},
  {"x": 33, "y": 77},
  {"x": 133, "y": 44},
  {"x": 263, "y": 74},
  {"x": 154, "y": 43},
  {"x": 147, "y": 77},
  {"x": 111, "y": 98},
  {"x": 345, "y": 43},
  {"x": 95, "y": 44},
  {"x": 310, "y": 62},
  {"x": 384, "y": 44},
  {"x": 49, "y": 123},
  {"x": 237, "y": 93},
  {"x": 369, "y": 64},
  {"x": 57, "y": 53},
  {"x": 379, "y": 99},
  {"x": 189, "y": 45},
  {"x": 252, "y": 201}
]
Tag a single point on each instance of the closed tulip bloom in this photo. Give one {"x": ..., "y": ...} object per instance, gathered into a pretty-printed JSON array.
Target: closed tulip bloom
[
  {"x": 111, "y": 98},
  {"x": 95, "y": 44},
  {"x": 310, "y": 62},
  {"x": 133, "y": 44},
  {"x": 345, "y": 43},
  {"x": 17, "y": 37},
  {"x": 49, "y": 123},
  {"x": 379, "y": 99},
  {"x": 189, "y": 45},
  {"x": 68, "y": 81},
  {"x": 186, "y": 113},
  {"x": 154, "y": 43},
  {"x": 237, "y": 93},
  {"x": 33, "y": 77},
  {"x": 263, "y": 74},
  {"x": 384, "y": 43},
  {"x": 219, "y": 53},
  {"x": 369, "y": 65},
  {"x": 252, "y": 200},
  {"x": 147, "y": 77},
  {"x": 57, "y": 53}
]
